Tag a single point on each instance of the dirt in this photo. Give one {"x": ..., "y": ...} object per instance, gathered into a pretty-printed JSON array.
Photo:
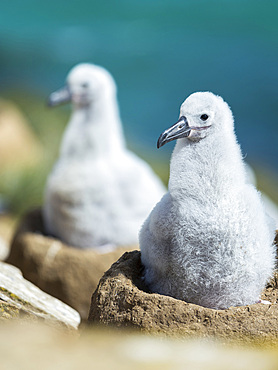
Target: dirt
[
  {"x": 122, "y": 300},
  {"x": 65, "y": 272}
]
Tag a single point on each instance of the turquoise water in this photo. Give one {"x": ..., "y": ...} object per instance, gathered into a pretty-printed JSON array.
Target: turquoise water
[{"x": 159, "y": 52}]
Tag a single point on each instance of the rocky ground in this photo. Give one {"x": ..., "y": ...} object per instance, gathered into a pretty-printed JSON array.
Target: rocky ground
[
  {"x": 123, "y": 301},
  {"x": 67, "y": 273},
  {"x": 21, "y": 299},
  {"x": 31, "y": 337},
  {"x": 32, "y": 347}
]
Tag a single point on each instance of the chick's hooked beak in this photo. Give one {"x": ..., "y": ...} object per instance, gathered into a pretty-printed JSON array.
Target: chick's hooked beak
[
  {"x": 58, "y": 97},
  {"x": 176, "y": 131}
]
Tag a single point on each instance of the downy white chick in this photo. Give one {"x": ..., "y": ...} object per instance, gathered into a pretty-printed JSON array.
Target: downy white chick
[
  {"x": 98, "y": 192},
  {"x": 208, "y": 241}
]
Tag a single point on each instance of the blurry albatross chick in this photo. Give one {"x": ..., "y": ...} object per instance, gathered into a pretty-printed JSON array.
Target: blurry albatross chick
[
  {"x": 98, "y": 192},
  {"x": 270, "y": 206},
  {"x": 208, "y": 241}
]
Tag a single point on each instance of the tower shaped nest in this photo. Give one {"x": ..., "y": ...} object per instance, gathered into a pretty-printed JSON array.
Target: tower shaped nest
[
  {"x": 65, "y": 272},
  {"x": 122, "y": 300}
]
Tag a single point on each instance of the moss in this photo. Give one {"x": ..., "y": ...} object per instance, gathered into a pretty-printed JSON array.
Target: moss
[
  {"x": 23, "y": 305},
  {"x": 23, "y": 310},
  {"x": 8, "y": 311}
]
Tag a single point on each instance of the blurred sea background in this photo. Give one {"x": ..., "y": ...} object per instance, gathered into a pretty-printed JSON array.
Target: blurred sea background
[{"x": 159, "y": 52}]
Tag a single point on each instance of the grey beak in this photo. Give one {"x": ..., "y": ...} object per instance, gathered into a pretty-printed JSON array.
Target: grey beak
[
  {"x": 178, "y": 130},
  {"x": 58, "y": 97}
]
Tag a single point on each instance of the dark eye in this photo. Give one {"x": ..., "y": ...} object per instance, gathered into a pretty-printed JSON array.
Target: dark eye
[
  {"x": 85, "y": 85},
  {"x": 204, "y": 117}
]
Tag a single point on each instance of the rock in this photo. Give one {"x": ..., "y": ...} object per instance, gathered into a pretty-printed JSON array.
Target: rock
[
  {"x": 19, "y": 146},
  {"x": 122, "y": 300},
  {"x": 19, "y": 297},
  {"x": 67, "y": 273}
]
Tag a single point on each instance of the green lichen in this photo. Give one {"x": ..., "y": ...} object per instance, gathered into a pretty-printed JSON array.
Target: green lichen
[
  {"x": 18, "y": 301},
  {"x": 17, "y": 308}
]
